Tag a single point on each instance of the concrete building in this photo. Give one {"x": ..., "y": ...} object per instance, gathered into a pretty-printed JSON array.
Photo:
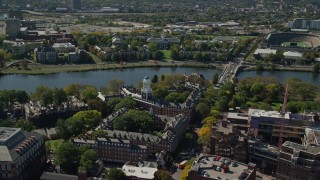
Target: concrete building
[
  {"x": 20, "y": 47},
  {"x": 293, "y": 55},
  {"x": 302, "y": 23},
  {"x": 239, "y": 120},
  {"x": 297, "y": 161},
  {"x": 64, "y": 47},
  {"x": 263, "y": 53},
  {"x": 140, "y": 170},
  {"x": 263, "y": 155},
  {"x": 45, "y": 54},
  {"x": 164, "y": 43},
  {"x": 22, "y": 154},
  {"x": 146, "y": 91},
  {"x": 208, "y": 167},
  {"x": 266, "y": 125},
  {"x": 13, "y": 26}
]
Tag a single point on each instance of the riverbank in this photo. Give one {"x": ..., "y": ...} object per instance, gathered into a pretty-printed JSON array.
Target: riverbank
[
  {"x": 281, "y": 68},
  {"x": 38, "y": 69}
]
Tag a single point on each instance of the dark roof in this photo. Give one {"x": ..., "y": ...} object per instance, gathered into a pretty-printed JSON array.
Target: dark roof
[{"x": 55, "y": 176}]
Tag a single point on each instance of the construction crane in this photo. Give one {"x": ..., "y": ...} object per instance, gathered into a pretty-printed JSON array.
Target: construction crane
[{"x": 283, "y": 113}]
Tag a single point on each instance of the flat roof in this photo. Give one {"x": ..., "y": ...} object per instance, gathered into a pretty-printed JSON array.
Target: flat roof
[
  {"x": 265, "y": 51},
  {"x": 208, "y": 165},
  {"x": 6, "y": 133},
  {"x": 242, "y": 116},
  {"x": 264, "y": 113},
  {"x": 310, "y": 148},
  {"x": 144, "y": 170}
]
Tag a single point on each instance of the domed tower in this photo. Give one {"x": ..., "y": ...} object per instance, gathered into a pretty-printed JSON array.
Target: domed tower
[{"x": 146, "y": 89}]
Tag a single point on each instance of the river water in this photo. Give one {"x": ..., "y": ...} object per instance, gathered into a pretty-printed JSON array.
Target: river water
[
  {"x": 131, "y": 76},
  {"x": 96, "y": 78},
  {"x": 282, "y": 76}
]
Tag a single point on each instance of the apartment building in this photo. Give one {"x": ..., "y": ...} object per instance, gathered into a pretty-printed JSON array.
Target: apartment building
[
  {"x": 22, "y": 154},
  {"x": 266, "y": 125},
  {"x": 265, "y": 156},
  {"x": 115, "y": 149},
  {"x": 45, "y": 54},
  {"x": 208, "y": 167},
  {"x": 297, "y": 161},
  {"x": 230, "y": 142}
]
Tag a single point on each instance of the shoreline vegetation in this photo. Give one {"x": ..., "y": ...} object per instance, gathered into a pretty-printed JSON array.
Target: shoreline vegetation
[{"x": 43, "y": 69}]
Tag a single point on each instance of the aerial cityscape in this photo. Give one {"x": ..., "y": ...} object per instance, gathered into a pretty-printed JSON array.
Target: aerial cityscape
[{"x": 159, "y": 89}]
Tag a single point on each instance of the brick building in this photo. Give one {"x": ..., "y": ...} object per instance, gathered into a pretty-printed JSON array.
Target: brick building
[
  {"x": 22, "y": 154},
  {"x": 208, "y": 167},
  {"x": 298, "y": 161},
  {"x": 115, "y": 149}
]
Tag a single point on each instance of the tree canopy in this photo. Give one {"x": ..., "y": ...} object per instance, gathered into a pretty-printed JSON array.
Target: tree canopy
[{"x": 134, "y": 120}]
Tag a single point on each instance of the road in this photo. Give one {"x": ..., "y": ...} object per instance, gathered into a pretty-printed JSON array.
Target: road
[{"x": 229, "y": 71}]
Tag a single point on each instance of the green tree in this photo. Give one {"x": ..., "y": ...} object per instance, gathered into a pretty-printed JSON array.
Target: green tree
[
  {"x": 89, "y": 93},
  {"x": 98, "y": 133},
  {"x": 162, "y": 175},
  {"x": 88, "y": 159},
  {"x": 90, "y": 118},
  {"x": 115, "y": 85},
  {"x": 97, "y": 104},
  {"x": 154, "y": 79},
  {"x": 127, "y": 102},
  {"x": 67, "y": 156},
  {"x": 38, "y": 93},
  {"x": 112, "y": 102},
  {"x": 73, "y": 89},
  {"x": 215, "y": 78},
  {"x": 26, "y": 125},
  {"x": 197, "y": 56},
  {"x": 152, "y": 47},
  {"x": 59, "y": 96},
  {"x": 47, "y": 98},
  {"x": 316, "y": 67},
  {"x": 157, "y": 55},
  {"x": 115, "y": 174},
  {"x": 116, "y": 57},
  {"x": 175, "y": 52},
  {"x": 203, "y": 109},
  {"x": 134, "y": 120}
]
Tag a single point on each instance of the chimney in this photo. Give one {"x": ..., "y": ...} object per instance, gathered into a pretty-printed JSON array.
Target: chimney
[
  {"x": 252, "y": 166},
  {"x": 82, "y": 175},
  {"x": 224, "y": 124}
]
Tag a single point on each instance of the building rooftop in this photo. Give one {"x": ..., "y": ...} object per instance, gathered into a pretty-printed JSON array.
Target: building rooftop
[
  {"x": 264, "y": 113},
  {"x": 54, "y": 176},
  {"x": 6, "y": 133},
  {"x": 213, "y": 167},
  {"x": 63, "y": 45},
  {"x": 14, "y": 143},
  {"x": 265, "y": 51},
  {"x": 143, "y": 169},
  {"x": 241, "y": 116},
  {"x": 310, "y": 148},
  {"x": 263, "y": 147}
]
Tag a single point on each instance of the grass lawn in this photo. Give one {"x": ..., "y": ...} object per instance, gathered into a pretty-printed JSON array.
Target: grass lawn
[
  {"x": 263, "y": 105},
  {"x": 298, "y": 44},
  {"x": 206, "y": 36},
  {"x": 246, "y": 37},
  {"x": 167, "y": 54},
  {"x": 95, "y": 58},
  {"x": 54, "y": 144}
]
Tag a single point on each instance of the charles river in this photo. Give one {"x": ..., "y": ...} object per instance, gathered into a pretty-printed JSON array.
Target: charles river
[{"x": 131, "y": 76}]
